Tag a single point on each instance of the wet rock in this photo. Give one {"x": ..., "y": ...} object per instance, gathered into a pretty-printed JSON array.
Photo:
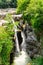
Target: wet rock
[
  {"x": 2, "y": 22},
  {"x": 4, "y": 12},
  {"x": 32, "y": 45},
  {"x": 17, "y": 17}
]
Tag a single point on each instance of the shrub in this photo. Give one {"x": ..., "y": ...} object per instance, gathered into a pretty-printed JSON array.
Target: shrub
[
  {"x": 35, "y": 12},
  {"x": 6, "y": 43},
  {"x": 8, "y": 3},
  {"x": 22, "y": 5},
  {"x": 37, "y": 61}
]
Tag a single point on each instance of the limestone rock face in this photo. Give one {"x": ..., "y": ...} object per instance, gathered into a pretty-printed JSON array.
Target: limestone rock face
[{"x": 32, "y": 45}]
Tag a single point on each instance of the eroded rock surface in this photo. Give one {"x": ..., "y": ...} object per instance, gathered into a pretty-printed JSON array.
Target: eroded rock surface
[{"x": 32, "y": 45}]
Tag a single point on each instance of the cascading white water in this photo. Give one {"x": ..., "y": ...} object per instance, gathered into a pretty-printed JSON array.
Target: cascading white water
[
  {"x": 23, "y": 43},
  {"x": 17, "y": 43},
  {"x": 16, "y": 40},
  {"x": 22, "y": 58}
]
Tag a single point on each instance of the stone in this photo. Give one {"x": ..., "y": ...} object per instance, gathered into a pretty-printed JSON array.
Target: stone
[
  {"x": 2, "y": 22},
  {"x": 17, "y": 17}
]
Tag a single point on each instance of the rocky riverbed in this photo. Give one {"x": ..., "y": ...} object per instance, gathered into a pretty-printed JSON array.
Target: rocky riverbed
[{"x": 3, "y": 12}]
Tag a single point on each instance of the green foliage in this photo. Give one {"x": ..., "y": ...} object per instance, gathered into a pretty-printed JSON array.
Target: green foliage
[
  {"x": 37, "y": 61},
  {"x": 7, "y": 3},
  {"x": 8, "y": 18},
  {"x": 35, "y": 6},
  {"x": 37, "y": 23},
  {"x": 6, "y": 49},
  {"x": 9, "y": 25},
  {"x": 22, "y": 5},
  {"x": 3, "y": 35},
  {"x": 16, "y": 23},
  {"x": 34, "y": 14},
  {"x": 6, "y": 43}
]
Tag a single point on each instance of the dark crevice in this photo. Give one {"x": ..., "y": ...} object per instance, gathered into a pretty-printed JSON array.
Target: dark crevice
[{"x": 19, "y": 39}]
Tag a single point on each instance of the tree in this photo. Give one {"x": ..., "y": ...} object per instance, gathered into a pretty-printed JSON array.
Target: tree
[{"x": 8, "y": 3}]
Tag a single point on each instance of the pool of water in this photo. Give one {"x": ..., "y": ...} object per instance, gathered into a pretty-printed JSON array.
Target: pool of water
[{"x": 22, "y": 59}]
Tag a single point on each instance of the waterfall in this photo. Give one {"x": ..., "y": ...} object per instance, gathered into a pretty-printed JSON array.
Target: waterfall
[
  {"x": 23, "y": 43},
  {"x": 17, "y": 43},
  {"x": 27, "y": 46},
  {"x": 22, "y": 58}
]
